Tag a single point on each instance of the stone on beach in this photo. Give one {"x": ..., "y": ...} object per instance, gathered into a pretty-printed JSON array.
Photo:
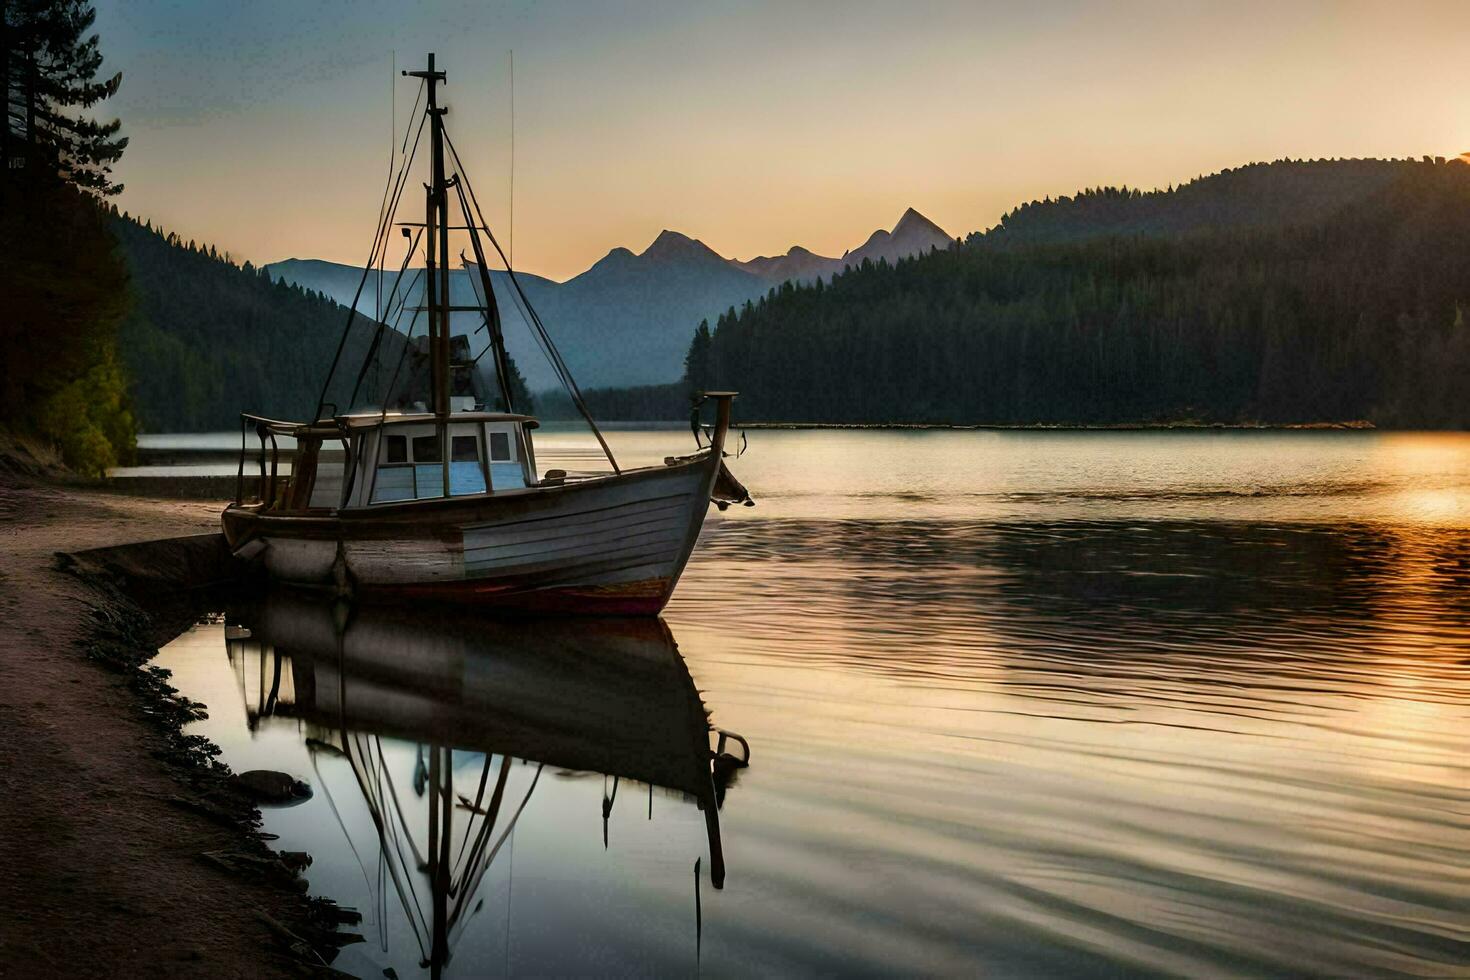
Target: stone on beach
[{"x": 269, "y": 786}]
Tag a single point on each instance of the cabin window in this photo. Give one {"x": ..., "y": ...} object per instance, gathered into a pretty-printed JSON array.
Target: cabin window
[
  {"x": 428, "y": 466},
  {"x": 412, "y": 462},
  {"x": 464, "y": 449},
  {"x": 506, "y": 471},
  {"x": 466, "y": 476},
  {"x": 410, "y": 467}
]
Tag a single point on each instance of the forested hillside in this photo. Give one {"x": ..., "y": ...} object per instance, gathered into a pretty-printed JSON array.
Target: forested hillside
[
  {"x": 61, "y": 284},
  {"x": 1255, "y": 195},
  {"x": 1186, "y": 305},
  {"x": 206, "y": 339},
  {"x": 61, "y": 299}
]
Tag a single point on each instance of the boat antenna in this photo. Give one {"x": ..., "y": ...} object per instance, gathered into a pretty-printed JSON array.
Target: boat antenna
[
  {"x": 511, "y": 244},
  {"x": 392, "y": 163}
]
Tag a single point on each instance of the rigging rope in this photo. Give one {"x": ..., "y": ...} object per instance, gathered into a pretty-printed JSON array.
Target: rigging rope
[
  {"x": 402, "y": 353},
  {"x": 379, "y": 242},
  {"x": 393, "y": 382},
  {"x": 407, "y": 341},
  {"x": 382, "y": 322},
  {"x": 524, "y": 318},
  {"x": 472, "y": 882},
  {"x": 387, "y": 184},
  {"x": 475, "y": 223},
  {"x": 492, "y": 311},
  {"x": 549, "y": 347}
]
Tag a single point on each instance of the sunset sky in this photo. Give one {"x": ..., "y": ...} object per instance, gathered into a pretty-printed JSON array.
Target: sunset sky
[{"x": 264, "y": 127}]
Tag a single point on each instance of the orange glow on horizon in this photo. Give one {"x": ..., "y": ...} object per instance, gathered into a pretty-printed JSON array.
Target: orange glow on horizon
[{"x": 760, "y": 127}]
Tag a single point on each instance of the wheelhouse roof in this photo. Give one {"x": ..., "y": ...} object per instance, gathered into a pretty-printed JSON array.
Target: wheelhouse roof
[
  {"x": 372, "y": 420},
  {"x": 332, "y": 428}
]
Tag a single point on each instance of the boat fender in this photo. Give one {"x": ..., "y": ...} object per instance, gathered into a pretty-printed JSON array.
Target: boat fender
[
  {"x": 251, "y": 550},
  {"x": 341, "y": 574}
]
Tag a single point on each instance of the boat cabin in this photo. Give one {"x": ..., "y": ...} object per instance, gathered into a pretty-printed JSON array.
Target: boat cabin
[{"x": 363, "y": 461}]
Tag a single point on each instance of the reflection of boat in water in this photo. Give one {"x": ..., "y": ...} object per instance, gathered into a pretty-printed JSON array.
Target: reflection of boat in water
[{"x": 603, "y": 696}]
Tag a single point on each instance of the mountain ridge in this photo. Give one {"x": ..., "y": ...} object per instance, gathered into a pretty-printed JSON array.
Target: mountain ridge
[
  {"x": 913, "y": 234},
  {"x": 626, "y": 319},
  {"x": 203, "y": 326}
]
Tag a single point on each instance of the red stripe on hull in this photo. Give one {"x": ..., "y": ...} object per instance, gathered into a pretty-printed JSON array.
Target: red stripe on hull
[{"x": 645, "y": 598}]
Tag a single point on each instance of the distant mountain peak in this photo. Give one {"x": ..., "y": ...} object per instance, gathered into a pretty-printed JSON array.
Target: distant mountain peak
[
  {"x": 913, "y": 222},
  {"x": 673, "y": 246},
  {"x": 670, "y": 239},
  {"x": 913, "y": 235},
  {"x": 798, "y": 263}
]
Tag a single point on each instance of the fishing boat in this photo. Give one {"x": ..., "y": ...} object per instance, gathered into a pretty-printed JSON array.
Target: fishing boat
[{"x": 443, "y": 497}]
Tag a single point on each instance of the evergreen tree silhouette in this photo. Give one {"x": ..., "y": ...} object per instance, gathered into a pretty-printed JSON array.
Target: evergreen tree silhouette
[
  {"x": 65, "y": 288},
  {"x": 696, "y": 362},
  {"x": 49, "y": 73}
]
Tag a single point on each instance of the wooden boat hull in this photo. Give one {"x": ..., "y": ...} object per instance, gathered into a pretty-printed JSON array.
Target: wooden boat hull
[{"x": 614, "y": 545}]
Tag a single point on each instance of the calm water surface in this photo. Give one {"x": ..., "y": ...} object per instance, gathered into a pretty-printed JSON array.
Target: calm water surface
[{"x": 1029, "y": 704}]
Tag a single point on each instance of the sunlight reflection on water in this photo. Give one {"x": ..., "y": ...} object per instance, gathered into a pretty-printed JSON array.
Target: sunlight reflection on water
[
  {"x": 1083, "y": 746},
  {"x": 1041, "y": 704}
]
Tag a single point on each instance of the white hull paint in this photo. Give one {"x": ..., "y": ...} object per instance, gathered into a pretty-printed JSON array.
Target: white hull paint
[{"x": 605, "y": 534}]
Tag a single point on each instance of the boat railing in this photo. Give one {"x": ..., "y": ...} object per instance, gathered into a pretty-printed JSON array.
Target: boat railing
[
  {"x": 267, "y": 457},
  {"x": 247, "y": 422},
  {"x": 740, "y": 761}
]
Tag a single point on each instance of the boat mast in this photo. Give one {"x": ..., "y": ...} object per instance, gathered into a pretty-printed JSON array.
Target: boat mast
[{"x": 436, "y": 222}]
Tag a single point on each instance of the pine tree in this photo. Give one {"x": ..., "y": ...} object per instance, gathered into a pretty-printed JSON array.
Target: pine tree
[
  {"x": 7, "y": 124},
  {"x": 696, "y": 362},
  {"x": 519, "y": 393},
  {"x": 67, "y": 290},
  {"x": 49, "y": 69}
]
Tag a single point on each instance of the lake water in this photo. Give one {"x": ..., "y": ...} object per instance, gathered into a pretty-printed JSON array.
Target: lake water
[{"x": 1020, "y": 704}]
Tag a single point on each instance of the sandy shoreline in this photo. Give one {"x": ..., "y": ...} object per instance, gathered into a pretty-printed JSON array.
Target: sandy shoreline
[{"x": 109, "y": 843}]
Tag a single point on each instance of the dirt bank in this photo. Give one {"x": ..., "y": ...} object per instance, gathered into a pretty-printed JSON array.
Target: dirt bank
[{"x": 115, "y": 851}]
